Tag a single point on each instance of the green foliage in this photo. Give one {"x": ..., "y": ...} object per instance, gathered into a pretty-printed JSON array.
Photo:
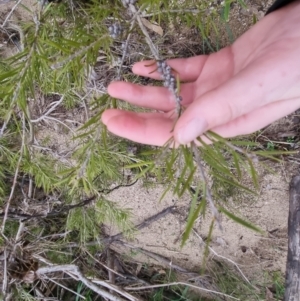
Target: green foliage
[
  {"x": 279, "y": 285},
  {"x": 22, "y": 294},
  {"x": 56, "y": 256},
  {"x": 174, "y": 292},
  {"x": 7, "y": 164},
  {"x": 233, "y": 284},
  {"x": 240, "y": 220},
  {"x": 86, "y": 293},
  {"x": 225, "y": 163},
  {"x": 87, "y": 221},
  {"x": 11, "y": 229},
  {"x": 44, "y": 169}
]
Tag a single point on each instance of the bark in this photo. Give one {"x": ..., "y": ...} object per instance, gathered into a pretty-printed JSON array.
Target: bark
[{"x": 292, "y": 281}]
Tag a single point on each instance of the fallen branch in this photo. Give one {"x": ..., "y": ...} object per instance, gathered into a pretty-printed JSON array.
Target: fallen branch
[
  {"x": 204, "y": 284},
  {"x": 179, "y": 283},
  {"x": 54, "y": 105},
  {"x": 5, "y": 278},
  {"x": 165, "y": 261},
  {"x": 64, "y": 209},
  {"x": 75, "y": 273},
  {"x": 292, "y": 280}
]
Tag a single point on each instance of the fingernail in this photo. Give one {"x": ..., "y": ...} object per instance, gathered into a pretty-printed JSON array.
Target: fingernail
[{"x": 191, "y": 130}]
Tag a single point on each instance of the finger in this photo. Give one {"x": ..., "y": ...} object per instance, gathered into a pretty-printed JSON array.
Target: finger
[
  {"x": 110, "y": 113},
  {"x": 206, "y": 73},
  {"x": 145, "y": 128},
  {"x": 155, "y": 128},
  {"x": 258, "y": 119},
  {"x": 188, "y": 69},
  {"x": 158, "y": 98},
  {"x": 257, "y": 85}
]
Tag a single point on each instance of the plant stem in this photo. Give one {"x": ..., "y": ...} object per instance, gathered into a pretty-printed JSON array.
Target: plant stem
[{"x": 209, "y": 198}]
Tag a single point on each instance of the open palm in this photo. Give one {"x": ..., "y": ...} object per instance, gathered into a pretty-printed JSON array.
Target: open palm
[{"x": 235, "y": 91}]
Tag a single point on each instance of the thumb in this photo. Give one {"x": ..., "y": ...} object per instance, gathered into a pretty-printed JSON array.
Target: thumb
[
  {"x": 212, "y": 109},
  {"x": 203, "y": 114}
]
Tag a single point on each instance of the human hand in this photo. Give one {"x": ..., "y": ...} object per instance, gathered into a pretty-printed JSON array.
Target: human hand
[{"x": 236, "y": 91}]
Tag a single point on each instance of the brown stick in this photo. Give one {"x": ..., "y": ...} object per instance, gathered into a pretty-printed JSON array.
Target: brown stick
[
  {"x": 292, "y": 281},
  {"x": 146, "y": 222},
  {"x": 142, "y": 225}
]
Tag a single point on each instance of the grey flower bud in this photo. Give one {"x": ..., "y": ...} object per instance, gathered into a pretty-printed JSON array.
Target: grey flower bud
[
  {"x": 178, "y": 98},
  {"x": 159, "y": 63}
]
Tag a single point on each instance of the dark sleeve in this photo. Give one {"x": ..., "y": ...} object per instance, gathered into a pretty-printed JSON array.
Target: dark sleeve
[{"x": 278, "y": 4}]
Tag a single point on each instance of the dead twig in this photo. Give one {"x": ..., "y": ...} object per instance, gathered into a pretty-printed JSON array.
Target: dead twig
[
  {"x": 66, "y": 288},
  {"x": 147, "y": 221},
  {"x": 61, "y": 210},
  {"x": 4, "y": 283},
  {"x": 67, "y": 208},
  {"x": 125, "y": 47},
  {"x": 222, "y": 257},
  {"x": 165, "y": 261},
  {"x": 110, "y": 262},
  {"x": 10, "y": 13},
  {"x": 12, "y": 190},
  {"x": 105, "y": 266},
  {"x": 116, "y": 289},
  {"x": 180, "y": 11},
  {"x": 53, "y": 105},
  {"x": 180, "y": 283},
  {"x": 152, "y": 47},
  {"x": 75, "y": 273}
]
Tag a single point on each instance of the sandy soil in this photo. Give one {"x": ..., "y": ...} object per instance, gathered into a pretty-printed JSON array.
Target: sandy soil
[{"x": 254, "y": 252}]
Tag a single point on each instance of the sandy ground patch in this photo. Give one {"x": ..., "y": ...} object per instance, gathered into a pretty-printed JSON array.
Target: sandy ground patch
[{"x": 254, "y": 252}]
